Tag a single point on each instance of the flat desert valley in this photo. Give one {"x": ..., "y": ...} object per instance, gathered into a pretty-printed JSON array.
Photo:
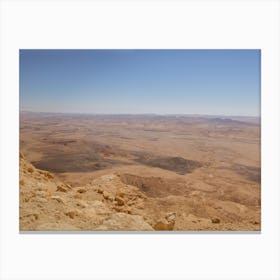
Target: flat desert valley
[{"x": 139, "y": 172}]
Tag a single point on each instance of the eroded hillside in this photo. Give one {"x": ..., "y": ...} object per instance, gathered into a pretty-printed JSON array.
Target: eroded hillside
[{"x": 121, "y": 201}]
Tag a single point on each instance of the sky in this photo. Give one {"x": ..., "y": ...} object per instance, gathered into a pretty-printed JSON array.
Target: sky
[{"x": 208, "y": 82}]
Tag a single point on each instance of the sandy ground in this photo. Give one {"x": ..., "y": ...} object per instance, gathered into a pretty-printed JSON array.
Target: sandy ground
[{"x": 192, "y": 173}]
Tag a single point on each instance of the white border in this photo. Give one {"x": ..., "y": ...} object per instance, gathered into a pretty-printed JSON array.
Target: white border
[{"x": 140, "y": 24}]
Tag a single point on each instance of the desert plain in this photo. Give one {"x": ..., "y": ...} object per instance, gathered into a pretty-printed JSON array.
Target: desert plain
[{"x": 148, "y": 172}]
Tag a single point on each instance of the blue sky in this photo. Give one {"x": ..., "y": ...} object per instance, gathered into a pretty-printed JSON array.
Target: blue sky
[{"x": 212, "y": 82}]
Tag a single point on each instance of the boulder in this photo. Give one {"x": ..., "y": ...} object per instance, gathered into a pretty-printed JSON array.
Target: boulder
[{"x": 167, "y": 223}]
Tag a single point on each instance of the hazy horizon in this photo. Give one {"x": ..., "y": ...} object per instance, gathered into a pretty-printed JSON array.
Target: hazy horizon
[
  {"x": 162, "y": 82},
  {"x": 132, "y": 114}
]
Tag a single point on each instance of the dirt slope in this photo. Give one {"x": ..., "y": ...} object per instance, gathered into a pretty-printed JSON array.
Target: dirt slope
[
  {"x": 123, "y": 202},
  {"x": 48, "y": 204}
]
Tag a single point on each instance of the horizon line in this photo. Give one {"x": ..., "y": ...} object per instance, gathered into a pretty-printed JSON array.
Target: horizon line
[{"x": 134, "y": 114}]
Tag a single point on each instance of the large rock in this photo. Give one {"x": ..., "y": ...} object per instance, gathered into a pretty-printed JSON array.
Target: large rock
[
  {"x": 167, "y": 223},
  {"x": 63, "y": 188}
]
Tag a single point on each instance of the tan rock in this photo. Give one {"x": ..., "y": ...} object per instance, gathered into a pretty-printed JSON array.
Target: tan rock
[
  {"x": 140, "y": 206},
  {"x": 49, "y": 175},
  {"x": 41, "y": 193},
  {"x": 119, "y": 200},
  {"x": 163, "y": 225},
  {"x": 122, "y": 221},
  {"x": 100, "y": 191},
  {"x": 90, "y": 212},
  {"x": 106, "y": 195},
  {"x": 167, "y": 223},
  {"x": 117, "y": 209},
  {"x": 57, "y": 198},
  {"x": 42, "y": 200},
  {"x": 100, "y": 208},
  {"x": 170, "y": 217},
  {"x": 81, "y": 190},
  {"x": 215, "y": 220},
  {"x": 72, "y": 213},
  {"x": 46, "y": 174},
  {"x": 63, "y": 188}
]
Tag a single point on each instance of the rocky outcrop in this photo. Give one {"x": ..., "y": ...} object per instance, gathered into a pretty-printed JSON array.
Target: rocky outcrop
[
  {"x": 110, "y": 202},
  {"x": 48, "y": 204},
  {"x": 166, "y": 223}
]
